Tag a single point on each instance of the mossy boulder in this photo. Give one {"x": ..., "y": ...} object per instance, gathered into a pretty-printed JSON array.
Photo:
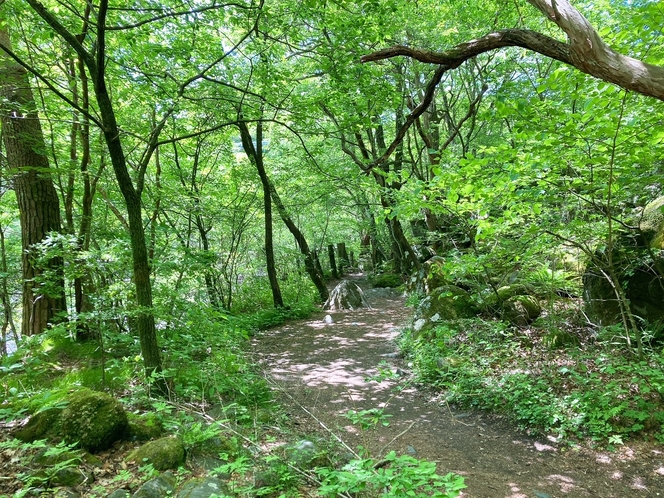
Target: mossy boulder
[
  {"x": 448, "y": 302},
  {"x": 203, "y": 487},
  {"x": 42, "y": 425},
  {"x": 159, "y": 487},
  {"x": 638, "y": 263},
  {"x": 93, "y": 419},
  {"x": 385, "y": 280},
  {"x": 507, "y": 291},
  {"x": 144, "y": 427},
  {"x": 651, "y": 224},
  {"x": 521, "y": 310},
  {"x": 429, "y": 277},
  {"x": 164, "y": 454}
]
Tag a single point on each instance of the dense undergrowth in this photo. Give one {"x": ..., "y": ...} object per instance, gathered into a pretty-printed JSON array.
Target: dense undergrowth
[
  {"x": 554, "y": 377},
  {"x": 218, "y": 404}
]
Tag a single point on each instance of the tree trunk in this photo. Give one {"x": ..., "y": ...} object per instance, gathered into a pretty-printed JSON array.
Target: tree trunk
[
  {"x": 309, "y": 257},
  {"x": 39, "y": 207},
  {"x": 333, "y": 263},
  {"x": 255, "y": 155},
  {"x": 141, "y": 266}
]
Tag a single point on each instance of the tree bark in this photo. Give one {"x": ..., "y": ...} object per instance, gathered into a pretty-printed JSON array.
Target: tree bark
[
  {"x": 309, "y": 260},
  {"x": 95, "y": 62},
  {"x": 585, "y": 50},
  {"x": 333, "y": 261},
  {"x": 39, "y": 207},
  {"x": 255, "y": 155}
]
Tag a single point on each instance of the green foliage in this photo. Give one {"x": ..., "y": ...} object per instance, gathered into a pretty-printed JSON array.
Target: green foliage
[
  {"x": 394, "y": 476},
  {"x": 596, "y": 394},
  {"x": 51, "y": 462},
  {"x": 385, "y": 280},
  {"x": 368, "y": 419}
]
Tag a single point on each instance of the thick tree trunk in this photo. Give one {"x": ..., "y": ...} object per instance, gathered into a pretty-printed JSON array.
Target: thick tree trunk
[
  {"x": 255, "y": 155},
  {"x": 39, "y": 207}
]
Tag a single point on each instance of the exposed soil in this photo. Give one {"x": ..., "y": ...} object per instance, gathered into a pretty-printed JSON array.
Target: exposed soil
[{"x": 321, "y": 368}]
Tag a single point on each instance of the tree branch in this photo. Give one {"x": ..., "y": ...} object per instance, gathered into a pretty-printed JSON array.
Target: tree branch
[{"x": 585, "y": 51}]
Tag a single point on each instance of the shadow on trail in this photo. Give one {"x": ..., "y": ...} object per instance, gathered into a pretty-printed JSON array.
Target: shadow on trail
[{"x": 324, "y": 368}]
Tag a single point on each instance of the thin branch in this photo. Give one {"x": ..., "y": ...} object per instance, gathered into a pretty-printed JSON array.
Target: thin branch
[{"x": 28, "y": 67}]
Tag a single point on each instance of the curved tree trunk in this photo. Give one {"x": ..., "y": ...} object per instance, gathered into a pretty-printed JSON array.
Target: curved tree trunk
[
  {"x": 309, "y": 259},
  {"x": 38, "y": 203},
  {"x": 255, "y": 155}
]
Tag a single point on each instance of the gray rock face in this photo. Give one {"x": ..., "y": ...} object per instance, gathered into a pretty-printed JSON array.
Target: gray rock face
[
  {"x": 203, "y": 488},
  {"x": 159, "y": 487},
  {"x": 346, "y": 296},
  {"x": 638, "y": 273}
]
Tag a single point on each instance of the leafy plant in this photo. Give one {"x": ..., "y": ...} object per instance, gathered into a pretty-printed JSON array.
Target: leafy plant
[
  {"x": 394, "y": 476},
  {"x": 370, "y": 418}
]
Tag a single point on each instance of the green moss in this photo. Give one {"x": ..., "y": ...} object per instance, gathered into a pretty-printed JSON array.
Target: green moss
[
  {"x": 508, "y": 291},
  {"x": 521, "y": 310},
  {"x": 165, "y": 453},
  {"x": 144, "y": 427},
  {"x": 385, "y": 280},
  {"x": 42, "y": 425},
  {"x": 652, "y": 223},
  {"x": 95, "y": 420}
]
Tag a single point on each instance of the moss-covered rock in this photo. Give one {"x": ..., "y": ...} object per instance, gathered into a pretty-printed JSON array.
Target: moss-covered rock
[
  {"x": 42, "y": 425},
  {"x": 203, "y": 487},
  {"x": 385, "y": 280},
  {"x": 159, "y": 487},
  {"x": 93, "y": 419},
  {"x": 429, "y": 277},
  {"x": 521, "y": 310},
  {"x": 45, "y": 458},
  {"x": 638, "y": 263},
  {"x": 651, "y": 223},
  {"x": 69, "y": 476},
  {"x": 144, "y": 427},
  {"x": 508, "y": 291},
  {"x": 448, "y": 302},
  {"x": 164, "y": 454}
]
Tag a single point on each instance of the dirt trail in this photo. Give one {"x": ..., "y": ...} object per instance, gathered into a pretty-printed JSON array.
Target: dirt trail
[{"x": 322, "y": 367}]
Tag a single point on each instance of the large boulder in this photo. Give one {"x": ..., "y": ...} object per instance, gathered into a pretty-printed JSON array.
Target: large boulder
[
  {"x": 635, "y": 268},
  {"x": 447, "y": 302},
  {"x": 346, "y": 296},
  {"x": 94, "y": 420},
  {"x": 429, "y": 277}
]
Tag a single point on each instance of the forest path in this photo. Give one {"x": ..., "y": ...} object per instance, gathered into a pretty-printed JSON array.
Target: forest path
[{"x": 321, "y": 368}]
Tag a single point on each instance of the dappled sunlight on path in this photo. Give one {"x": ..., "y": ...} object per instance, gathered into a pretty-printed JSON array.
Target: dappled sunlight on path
[{"x": 325, "y": 369}]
